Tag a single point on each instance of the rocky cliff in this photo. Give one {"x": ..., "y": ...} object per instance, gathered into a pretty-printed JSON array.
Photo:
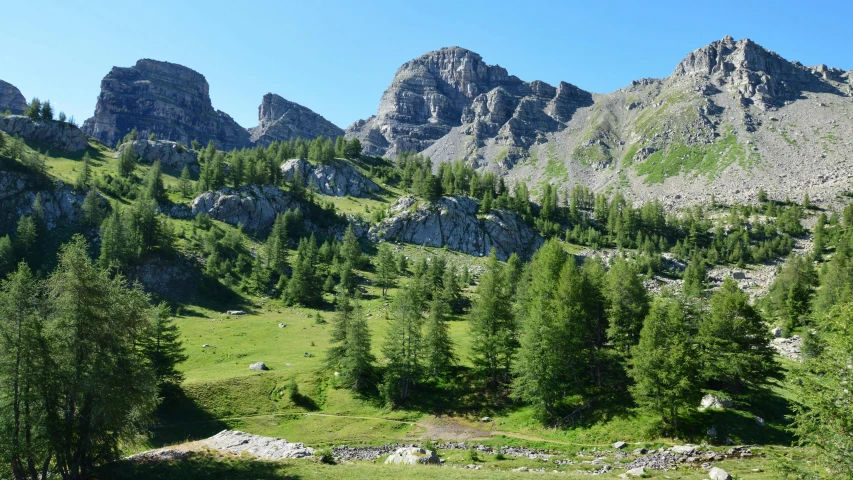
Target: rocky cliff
[
  {"x": 169, "y": 100},
  {"x": 49, "y": 135},
  {"x": 453, "y": 222},
  {"x": 454, "y": 87},
  {"x": 18, "y": 191},
  {"x": 279, "y": 119},
  {"x": 172, "y": 156},
  {"x": 337, "y": 179},
  {"x": 732, "y": 117},
  {"x": 11, "y": 98}
]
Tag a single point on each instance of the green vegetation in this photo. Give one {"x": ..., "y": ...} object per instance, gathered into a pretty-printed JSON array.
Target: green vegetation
[{"x": 706, "y": 160}]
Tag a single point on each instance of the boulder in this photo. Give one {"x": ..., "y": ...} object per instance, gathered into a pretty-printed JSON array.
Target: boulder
[
  {"x": 637, "y": 472},
  {"x": 453, "y": 222},
  {"x": 790, "y": 348},
  {"x": 685, "y": 449},
  {"x": 759, "y": 421},
  {"x": 172, "y": 155},
  {"x": 337, "y": 179},
  {"x": 717, "y": 473},
  {"x": 619, "y": 445},
  {"x": 412, "y": 456},
  {"x": 712, "y": 432},
  {"x": 258, "y": 366},
  {"x": 265, "y": 448},
  {"x": 235, "y": 312},
  {"x": 51, "y": 135},
  {"x": 713, "y": 401},
  {"x": 777, "y": 332}
]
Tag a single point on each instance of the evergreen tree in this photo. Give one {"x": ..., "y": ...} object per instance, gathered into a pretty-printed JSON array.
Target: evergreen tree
[
  {"x": 386, "y": 268},
  {"x": 338, "y": 336},
  {"x": 162, "y": 346},
  {"x": 152, "y": 137},
  {"x": 7, "y": 256},
  {"x": 439, "y": 356},
  {"x": 627, "y": 304},
  {"x": 357, "y": 362},
  {"x": 514, "y": 269},
  {"x": 352, "y": 149},
  {"x": 340, "y": 148},
  {"x": 695, "y": 277},
  {"x": 94, "y": 208},
  {"x": 351, "y": 250},
  {"x": 492, "y": 325},
  {"x": 46, "y": 111},
  {"x": 33, "y": 110},
  {"x": 26, "y": 239},
  {"x": 304, "y": 286},
  {"x": 276, "y": 246},
  {"x": 185, "y": 183},
  {"x": 84, "y": 178},
  {"x": 663, "y": 363},
  {"x": 118, "y": 246},
  {"x": 735, "y": 343},
  {"x": 126, "y": 161},
  {"x": 195, "y": 144},
  {"x": 153, "y": 186},
  {"x": 403, "y": 346}
]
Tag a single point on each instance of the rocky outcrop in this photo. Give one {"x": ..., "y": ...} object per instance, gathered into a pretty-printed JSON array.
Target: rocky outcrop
[
  {"x": 172, "y": 155},
  {"x": 454, "y": 86},
  {"x": 453, "y": 222},
  {"x": 169, "y": 100},
  {"x": 61, "y": 203},
  {"x": 279, "y": 119},
  {"x": 412, "y": 456},
  {"x": 174, "y": 278},
  {"x": 11, "y": 99},
  {"x": 51, "y": 135},
  {"x": 754, "y": 73},
  {"x": 337, "y": 179},
  {"x": 231, "y": 442}
]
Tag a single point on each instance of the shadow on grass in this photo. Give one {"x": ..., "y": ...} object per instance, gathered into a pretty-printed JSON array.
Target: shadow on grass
[
  {"x": 180, "y": 419},
  {"x": 194, "y": 466}
]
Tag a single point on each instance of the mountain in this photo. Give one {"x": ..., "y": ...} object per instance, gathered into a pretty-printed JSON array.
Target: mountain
[
  {"x": 732, "y": 117},
  {"x": 279, "y": 119},
  {"x": 169, "y": 100},
  {"x": 451, "y": 87},
  {"x": 11, "y": 98}
]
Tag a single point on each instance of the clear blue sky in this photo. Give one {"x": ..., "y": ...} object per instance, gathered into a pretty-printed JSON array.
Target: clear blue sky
[{"x": 338, "y": 57}]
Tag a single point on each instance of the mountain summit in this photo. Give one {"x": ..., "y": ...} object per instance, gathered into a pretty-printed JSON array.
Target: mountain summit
[{"x": 280, "y": 119}]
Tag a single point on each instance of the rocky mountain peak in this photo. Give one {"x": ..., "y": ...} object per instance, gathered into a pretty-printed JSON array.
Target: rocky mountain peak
[
  {"x": 280, "y": 119},
  {"x": 167, "y": 99},
  {"x": 748, "y": 69},
  {"x": 453, "y": 87},
  {"x": 11, "y": 98}
]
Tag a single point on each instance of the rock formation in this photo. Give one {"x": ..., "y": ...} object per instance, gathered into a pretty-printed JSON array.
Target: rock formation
[
  {"x": 279, "y": 119},
  {"x": 169, "y": 100},
  {"x": 172, "y": 155},
  {"x": 413, "y": 456},
  {"x": 337, "y": 179},
  {"x": 453, "y": 222},
  {"x": 11, "y": 99},
  {"x": 453, "y": 87},
  {"x": 49, "y": 135},
  {"x": 18, "y": 191}
]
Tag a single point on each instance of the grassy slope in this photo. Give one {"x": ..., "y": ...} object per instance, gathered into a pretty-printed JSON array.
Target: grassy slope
[{"x": 220, "y": 392}]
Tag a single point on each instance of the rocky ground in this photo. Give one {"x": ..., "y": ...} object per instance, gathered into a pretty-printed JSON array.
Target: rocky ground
[{"x": 235, "y": 443}]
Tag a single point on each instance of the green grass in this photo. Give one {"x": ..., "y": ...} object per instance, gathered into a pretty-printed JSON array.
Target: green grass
[{"x": 555, "y": 168}]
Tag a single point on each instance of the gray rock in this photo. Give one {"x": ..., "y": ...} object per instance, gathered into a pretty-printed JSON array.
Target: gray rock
[
  {"x": 636, "y": 472},
  {"x": 790, "y": 348},
  {"x": 713, "y": 401},
  {"x": 253, "y": 207},
  {"x": 453, "y": 222},
  {"x": 18, "y": 190},
  {"x": 169, "y": 100},
  {"x": 171, "y": 155},
  {"x": 11, "y": 99},
  {"x": 712, "y": 432},
  {"x": 719, "y": 474},
  {"x": 412, "y": 456},
  {"x": 279, "y": 119},
  {"x": 759, "y": 421},
  {"x": 777, "y": 332},
  {"x": 264, "y": 448},
  {"x": 685, "y": 449},
  {"x": 619, "y": 445},
  {"x": 235, "y": 312},
  {"x": 337, "y": 179},
  {"x": 51, "y": 135},
  {"x": 258, "y": 366}
]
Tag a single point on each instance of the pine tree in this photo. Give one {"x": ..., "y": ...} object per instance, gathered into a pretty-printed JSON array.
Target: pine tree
[
  {"x": 386, "y": 268},
  {"x": 276, "y": 246},
  {"x": 627, "y": 304},
  {"x": 450, "y": 293},
  {"x": 492, "y": 325},
  {"x": 352, "y": 149},
  {"x": 46, "y": 111},
  {"x": 357, "y": 362},
  {"x": 84, "y": 178},
  {"x": 185, "y": 183},
  {"x": 338, "y": 336},
  {"x": 304, "y": 286},
  {"x": 26, "y": 239},
  {"x": 33, "y": 110},
  {"x": 403, "y": 347},
  {"x": 126, "y": 161},
  {"x": 7, "y": 255},
  {"x": 153, "y": 186},
  {"x": 663, "y": 365},
  {"x": 735, "y": 343},
  {"x": 695, "y": 277},
  {"x": 439, "y": 356},
  {"x": 162, "y": 346},
  {"x": 94, "y": 208},
  {"x": 351, "y": 250},
  {"x": 513, "y": 272},
  {"x": 117, "y": 245}
]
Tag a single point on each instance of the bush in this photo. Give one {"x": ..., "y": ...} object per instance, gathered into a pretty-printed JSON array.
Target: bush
[{"x": 324, "y": 455}]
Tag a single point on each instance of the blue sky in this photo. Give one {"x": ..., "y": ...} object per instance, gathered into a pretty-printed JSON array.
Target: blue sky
[{"x": 338, "y": 57}]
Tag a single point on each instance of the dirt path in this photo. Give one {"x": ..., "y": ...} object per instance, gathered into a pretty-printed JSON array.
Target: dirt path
[{"x": 444, "y": 428}]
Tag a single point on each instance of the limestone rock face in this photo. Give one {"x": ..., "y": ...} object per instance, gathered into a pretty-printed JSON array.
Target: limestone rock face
[
  {"x": 453, "y": 87},
  {"x": 172, "y": 156},
  {"x": 52, "y": 135},
  {"x": 337, "y": 179},
  {"x": 279, "y": 119},
  {"x": 18, "y": 191},
  {"x": 756, "y": 74},
  {"x": 11, "y": 99},
  {"x": 169, "y": 100},
  {"x": 453, "y": 222}
]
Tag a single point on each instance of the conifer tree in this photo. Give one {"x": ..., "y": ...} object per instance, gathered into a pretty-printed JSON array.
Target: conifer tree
[
  {"x": 351, "y": 250},
  {"x": 7, "y": 255},
  {"x": 352, "y": 149},
  {"x": 492, "y": 325},
  {"x": 663, "y": 364},
  {"x": 185, "y": 183},
  {"x": 117, "y": 245},
  {"x": 33, "y": 110},
  {"x": 153, "y": 187},
  {"x": 386, "y": 268},
  {"x": 162, "y": 346},
  {"x": 439, "y": 356},
  {"x": 357, "y": 364},
  {"x": 403, "y": 346},
  {"x": 94, "y": 208},
  {"x": 126, "y": 161},
  {"x": 84, "y": 178},
  {"x": 26, "y": 239},
  {"x": 276, "y": 245},
  {"x": 735, "y": 344},
  {"x": 304, "y": 287},
  {"x": 627, "y": 304}
]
